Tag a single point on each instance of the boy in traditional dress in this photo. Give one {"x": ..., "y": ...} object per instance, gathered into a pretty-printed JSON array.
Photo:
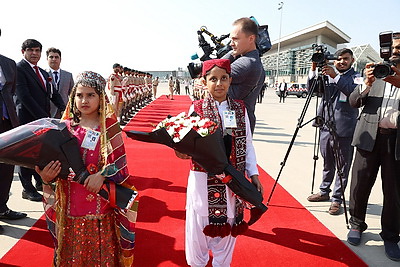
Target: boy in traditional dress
[{"x": 214, "y": 214}]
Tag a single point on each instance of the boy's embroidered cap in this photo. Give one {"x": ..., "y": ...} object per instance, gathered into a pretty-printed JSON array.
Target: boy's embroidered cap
[{"x": 220, "y": 62}]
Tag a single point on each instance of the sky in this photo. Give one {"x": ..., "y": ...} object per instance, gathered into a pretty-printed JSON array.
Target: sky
[{"x": 160, "y": 35}]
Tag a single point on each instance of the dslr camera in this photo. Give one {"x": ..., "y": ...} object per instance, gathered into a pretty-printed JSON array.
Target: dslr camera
[
  {"x": 263, "y": 44},
  {"x": 321, "y": 55},
  {"x": 384, "y": 69}
]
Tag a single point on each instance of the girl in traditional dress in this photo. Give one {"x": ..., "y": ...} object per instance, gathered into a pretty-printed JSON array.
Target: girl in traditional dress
[
  {"x": 87, "y": 230},
  {"x": 214, "y": 215}
]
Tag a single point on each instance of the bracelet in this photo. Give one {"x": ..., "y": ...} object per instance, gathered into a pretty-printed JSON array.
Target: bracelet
[
  {"x": 47, "y": 183},
  {"x": 44, "y": 183}
]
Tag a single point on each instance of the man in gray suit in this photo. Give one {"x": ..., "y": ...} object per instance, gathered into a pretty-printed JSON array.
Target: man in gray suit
[
  {"x": 342, "y": 82},
  {"x": 62, "y": 80},
  {"x": 377, "y": 139},
  {"x": 8, "y": 120}
]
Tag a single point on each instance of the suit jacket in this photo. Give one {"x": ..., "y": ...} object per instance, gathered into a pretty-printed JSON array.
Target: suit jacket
[
  {"x": 368, "y": 121},
  {"x": 344, "y": 114},
  {"x": 64, "y": 86},
  {"x": 8, "y": 67},
  {"x": 33, "y": 101}
]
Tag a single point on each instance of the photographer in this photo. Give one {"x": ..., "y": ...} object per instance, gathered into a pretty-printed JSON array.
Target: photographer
[
  {"x": 341, "y": 85},
  {"x": 378, "y": 145},
  {"x": 247, "y": 74}
]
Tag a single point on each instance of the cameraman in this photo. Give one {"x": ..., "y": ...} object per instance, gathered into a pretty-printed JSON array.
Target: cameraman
[
  {"x": 342, "y": 82},
  {"x": 378, "y": 145},
  {"x": 247, "y": 71}
]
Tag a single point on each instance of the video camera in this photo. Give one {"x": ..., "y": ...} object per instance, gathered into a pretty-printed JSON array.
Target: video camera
[
  {"x": 263, "y": 44},
  {"x": 384, "y": 69},
  {"x": 321, "y": 55}
]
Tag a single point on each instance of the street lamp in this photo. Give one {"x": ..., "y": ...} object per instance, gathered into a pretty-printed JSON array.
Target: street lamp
[{"x": 279, "y": 41}]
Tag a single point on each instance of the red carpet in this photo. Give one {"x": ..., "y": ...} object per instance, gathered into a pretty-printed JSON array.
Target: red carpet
[{"x": 286, "y": 235}]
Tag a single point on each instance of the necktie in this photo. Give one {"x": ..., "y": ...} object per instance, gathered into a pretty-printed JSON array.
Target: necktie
[
  {"x": 39, "y": 76},
  {"x": 5, "y": 113},
  {"x": 56, "y": 77}
]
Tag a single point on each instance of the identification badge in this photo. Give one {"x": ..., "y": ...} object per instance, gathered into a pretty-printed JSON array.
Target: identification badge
[
  {"x": 91, "y": 139},
  {"x": 342, "y": 97},
  {"x": 229, "y": 119}
]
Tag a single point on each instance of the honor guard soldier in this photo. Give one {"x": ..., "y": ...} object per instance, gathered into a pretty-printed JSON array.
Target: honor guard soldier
[{"x": 115, "y": 88}]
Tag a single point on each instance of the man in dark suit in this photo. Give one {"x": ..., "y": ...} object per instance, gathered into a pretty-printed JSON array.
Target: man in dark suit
[
  {"x": 62, "y": 80},
  {"x": 8, "y": 121},
  {"x": 377, "y": 138},
  {"x": 341, "y": 85},
  {"x": 34, "y": 94},
  {"x": 282, "y": 91}
]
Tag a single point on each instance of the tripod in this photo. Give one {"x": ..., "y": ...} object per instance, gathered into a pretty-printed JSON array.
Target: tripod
[{"x": 319, "y": 87}]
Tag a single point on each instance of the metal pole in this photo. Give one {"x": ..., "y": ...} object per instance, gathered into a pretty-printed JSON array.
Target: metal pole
[{"x": 279, "y": 42}]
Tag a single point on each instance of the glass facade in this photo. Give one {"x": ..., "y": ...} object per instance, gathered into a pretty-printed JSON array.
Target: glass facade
[{"x": 295, "y": 63}]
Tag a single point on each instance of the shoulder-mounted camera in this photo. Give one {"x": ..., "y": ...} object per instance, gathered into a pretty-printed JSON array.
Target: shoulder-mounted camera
[{"x": 219, "y": 49}]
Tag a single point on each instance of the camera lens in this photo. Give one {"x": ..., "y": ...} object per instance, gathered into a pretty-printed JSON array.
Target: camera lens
[
  {"x": 318, "y": 57},
  {"x": 381, "y": 71}
]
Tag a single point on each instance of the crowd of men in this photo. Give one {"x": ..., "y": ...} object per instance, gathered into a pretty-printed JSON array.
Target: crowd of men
[{"x": 374, "y": 134}]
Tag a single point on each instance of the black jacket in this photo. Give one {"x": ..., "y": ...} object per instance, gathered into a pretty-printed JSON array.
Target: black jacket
[
  {"x": 33, "y": 101},
  {"x": 9, "y": 70}
]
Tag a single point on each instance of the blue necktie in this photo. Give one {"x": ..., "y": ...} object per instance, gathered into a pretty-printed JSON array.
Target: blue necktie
[{"x": 56, "y": 77}]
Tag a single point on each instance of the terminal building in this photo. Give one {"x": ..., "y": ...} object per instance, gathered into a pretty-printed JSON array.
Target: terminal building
[{"x": 290, "y": 57}]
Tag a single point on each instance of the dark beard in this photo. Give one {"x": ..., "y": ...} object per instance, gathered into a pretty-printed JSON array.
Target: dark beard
[
  {"x": 395, "y": 60},
  {"x": 343, "y": 71}
]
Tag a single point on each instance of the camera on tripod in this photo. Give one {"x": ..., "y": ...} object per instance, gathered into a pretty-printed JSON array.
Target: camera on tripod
[
  {"x": 263, "y": 44},
  {"x": 384, "y": 69},
  {"x": 321, "y": 55}
]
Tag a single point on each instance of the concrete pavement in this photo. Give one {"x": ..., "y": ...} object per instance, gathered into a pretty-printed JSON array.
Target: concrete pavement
[{"x": 276, "y": 123}]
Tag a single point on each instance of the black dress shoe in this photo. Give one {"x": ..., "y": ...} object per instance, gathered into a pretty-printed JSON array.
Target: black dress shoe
[
  {"x": 12, "y": 215},
  {"x": 354, "y": 237},
  {"x": 392, "y": 250},
  {"x": 32, "y": 196}
]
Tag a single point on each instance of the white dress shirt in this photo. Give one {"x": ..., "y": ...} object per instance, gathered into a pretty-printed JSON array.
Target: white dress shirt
[{"x": 41, "y": 75}]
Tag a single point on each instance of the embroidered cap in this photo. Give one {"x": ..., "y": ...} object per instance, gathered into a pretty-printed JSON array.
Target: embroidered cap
[
  {"x": 91, "y": 79},
  {"x": 219, "y": 62}
]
